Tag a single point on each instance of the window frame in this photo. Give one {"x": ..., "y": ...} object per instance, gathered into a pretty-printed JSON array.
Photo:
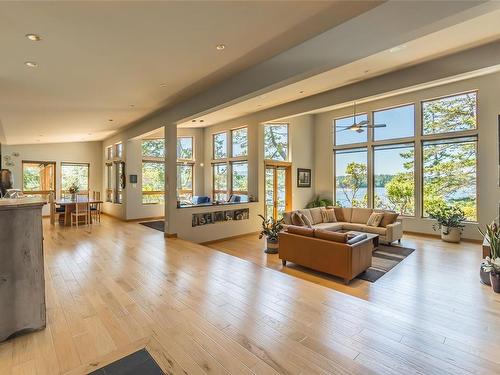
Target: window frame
[
  {"x": 39, "y": 192},
  {"x": 152, "y": 159},
  {"x": 335, "y": 119},
  {"x": 237, "y": 192},
  {"x": 245, "y": 156},
  {"x": 414, "y": 104},
  {"x": 287, "y": 160},
  {"x": 181, "y": 163},
  {"x": 228, "y": 184},
  {"x": 225, "y": 132},
  {"x": 193, "y": 158},
  {"x": 418, "y": 140},
  {"x": 87, "y": 164},
  {"x": 452, "y": 133}
]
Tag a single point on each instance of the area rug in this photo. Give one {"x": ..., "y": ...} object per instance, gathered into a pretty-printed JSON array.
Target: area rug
[
  {"x": 139, "y": 362},
  {"x": 158, "y": 225},
  {"x": 384, "y": 259}
]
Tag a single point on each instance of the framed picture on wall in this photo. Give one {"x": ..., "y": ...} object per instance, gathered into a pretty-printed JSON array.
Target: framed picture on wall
[{"x": 303, "y": 178}]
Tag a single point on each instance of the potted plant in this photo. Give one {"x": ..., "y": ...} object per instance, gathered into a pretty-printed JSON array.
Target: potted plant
[
  {"x": 490, "y": 267},
  {"x": 270, "y": 229},
  {"x": 320, "y": 202},
  {"x": 450, "y": 221}
]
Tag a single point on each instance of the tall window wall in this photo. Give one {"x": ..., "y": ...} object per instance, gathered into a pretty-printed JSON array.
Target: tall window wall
[
  {"x": 74, "y": 174},
  {"x": 230, "y": 164},
  {"x": 185, "y": 165},
  {"x": 39, "y": 177},
  {"x": 115, "y": 173},
  {"x": 153, "y": 171},
  {"x": 380, "y": 167}
]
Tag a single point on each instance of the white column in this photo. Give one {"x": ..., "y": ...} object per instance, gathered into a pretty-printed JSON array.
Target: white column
[{"x": 170, "y": 179}]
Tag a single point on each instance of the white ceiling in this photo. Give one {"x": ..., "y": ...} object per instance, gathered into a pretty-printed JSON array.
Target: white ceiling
[
  {"x": 464, "y": 35},
  {"x": 107, "y": 60}
]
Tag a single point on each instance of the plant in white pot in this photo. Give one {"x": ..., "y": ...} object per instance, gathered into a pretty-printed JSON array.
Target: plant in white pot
[
  {"x": 271, "y": 229},
  {"x": 449, "y": 220},
  {"x": 490, "y": 267}
]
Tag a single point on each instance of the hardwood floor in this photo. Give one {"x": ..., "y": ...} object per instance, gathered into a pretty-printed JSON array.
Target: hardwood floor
[{"x": 121, "y": 286}]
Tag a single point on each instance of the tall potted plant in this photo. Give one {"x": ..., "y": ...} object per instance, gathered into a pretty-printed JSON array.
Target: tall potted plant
[
  {"x": 491, "y": 265},
  {"x": 450, "y": 221},
  {"x": 271, "y": 229}
]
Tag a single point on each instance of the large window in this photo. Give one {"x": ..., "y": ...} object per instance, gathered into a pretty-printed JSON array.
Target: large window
[
  {"x": 449, "y": 114},
  {"x": 399, "y": 121},
  {"x": 220, "y": 176},
  {"x": 39, "y": 177},
  {"x": 185, "y": 148},
  {"x": 276, "y": 142},
  {"x": 239, "y": 178},
  {"x": 230, "y": 173},
  {"x": 383, "y": 171},
  {"x": 185, "y": 182},
  {"x": 394, "y": 181},
  {"x": 351, "y": 183},
  {"x": 74, "y": 174},
  {"x": 239, "y": 142},
  {"x": 109, "y": 182},
  {"x": 153, "y": 171},
  {"x": 220, "y": 145},
  {"x": 344, "y": 134},
  {"x": 449, "y": 175}
]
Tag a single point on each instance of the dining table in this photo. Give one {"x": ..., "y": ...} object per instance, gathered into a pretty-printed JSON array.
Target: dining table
[{"x": 70, "y": 206}]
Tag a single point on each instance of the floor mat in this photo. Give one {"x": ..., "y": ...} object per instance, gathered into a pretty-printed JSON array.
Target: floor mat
[{"x": 158, "y": 225}]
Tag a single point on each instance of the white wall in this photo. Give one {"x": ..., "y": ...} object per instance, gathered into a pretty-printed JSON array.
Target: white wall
[
  {"x": 487, "y": 174},
  {"x": 78, "y": 152}
]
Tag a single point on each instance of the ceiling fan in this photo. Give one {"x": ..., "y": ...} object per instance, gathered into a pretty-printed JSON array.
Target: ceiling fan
[{"x": 359, "y": 126}]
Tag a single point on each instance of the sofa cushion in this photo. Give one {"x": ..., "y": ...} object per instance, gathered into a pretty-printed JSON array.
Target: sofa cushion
[
  {"x": 375, "y": 219},
  {"x": 316, "y": 215},
  {"x": 297, "y": 219},
  {"x": 330, "y": 236},
  {"x": 307, "y": 213},
  {"x": 343, "y": 213},
  {"x": 329, "y": 226},
  {"x": 375, "y": 230},
  {"x": 287, "y": 218},
  {"x": 360, "y": 215},
  {"x": 306, "y": 220},
  {"x": 389, "y": 218},
  {"x": 354, "y": 226},
  {"x": 328, "y": 215},
  {"x": 303, "y": 231}
]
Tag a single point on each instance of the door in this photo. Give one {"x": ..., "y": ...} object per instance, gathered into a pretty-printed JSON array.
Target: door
[{"x": 277, "y": 190}]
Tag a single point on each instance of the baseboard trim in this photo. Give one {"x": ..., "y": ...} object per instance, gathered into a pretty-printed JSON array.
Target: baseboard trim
[
  {"x": 429, "y": 235},
  {"x": 228, "y": 238},
  {"x": 170, "y": 235},
  {"x": 146, "y": 219}
]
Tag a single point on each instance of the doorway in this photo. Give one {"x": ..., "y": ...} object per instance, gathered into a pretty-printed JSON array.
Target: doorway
[{"x": 278, "y": 189}]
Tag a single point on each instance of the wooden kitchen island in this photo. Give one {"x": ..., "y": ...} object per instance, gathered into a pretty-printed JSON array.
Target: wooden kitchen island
[{"x": 22, "y": 283}]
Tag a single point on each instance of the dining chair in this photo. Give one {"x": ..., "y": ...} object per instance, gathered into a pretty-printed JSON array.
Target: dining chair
[
  {"x": 81, "y": 210},
  {"x": 95, "y": 207}
]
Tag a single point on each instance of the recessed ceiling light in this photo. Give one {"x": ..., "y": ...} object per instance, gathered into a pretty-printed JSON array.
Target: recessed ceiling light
[
  {"x": 131, "y": 105},
  {"x": 301, "y": 92},
  {"x": 33, "y": 37},
  {"x": 220, "y": 47},
  {"x": 397, "y": 48},
  {"x": 163, "y": 85},
  {"x": 89, "y": 133},
  {"x": 193, "y": 120},
  {"x": 110, "y": 120},
  {"x": 31, "y": 64},
  {"x": 202, "y": 120}
]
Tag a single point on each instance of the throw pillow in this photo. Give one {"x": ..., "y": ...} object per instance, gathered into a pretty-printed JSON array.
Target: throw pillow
[
  {"x": 297, "y": 219},
  {"x": 306, "y": 220},
  {"x": 389, "y": 218},
  {"x": 328, "y": 215},
  {"x": 375, "y": 219}
]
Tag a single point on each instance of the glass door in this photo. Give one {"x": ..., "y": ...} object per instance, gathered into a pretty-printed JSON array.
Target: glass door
[{"x": 277, "y": 190}]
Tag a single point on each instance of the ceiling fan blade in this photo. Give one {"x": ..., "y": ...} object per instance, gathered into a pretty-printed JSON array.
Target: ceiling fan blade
[
  {"x": 343, "y": 130},
  {"x": 364, "y": 122},
  {"x": 359, "y": 130},
  {"x": 379, "y": 126}
]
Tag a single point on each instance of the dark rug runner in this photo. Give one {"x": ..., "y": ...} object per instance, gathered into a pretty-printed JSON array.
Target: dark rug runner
[
  {"x": 384, "y": 259},
  {"x": 140, "y": 363},
  {"x": 158, "y": 225}
]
